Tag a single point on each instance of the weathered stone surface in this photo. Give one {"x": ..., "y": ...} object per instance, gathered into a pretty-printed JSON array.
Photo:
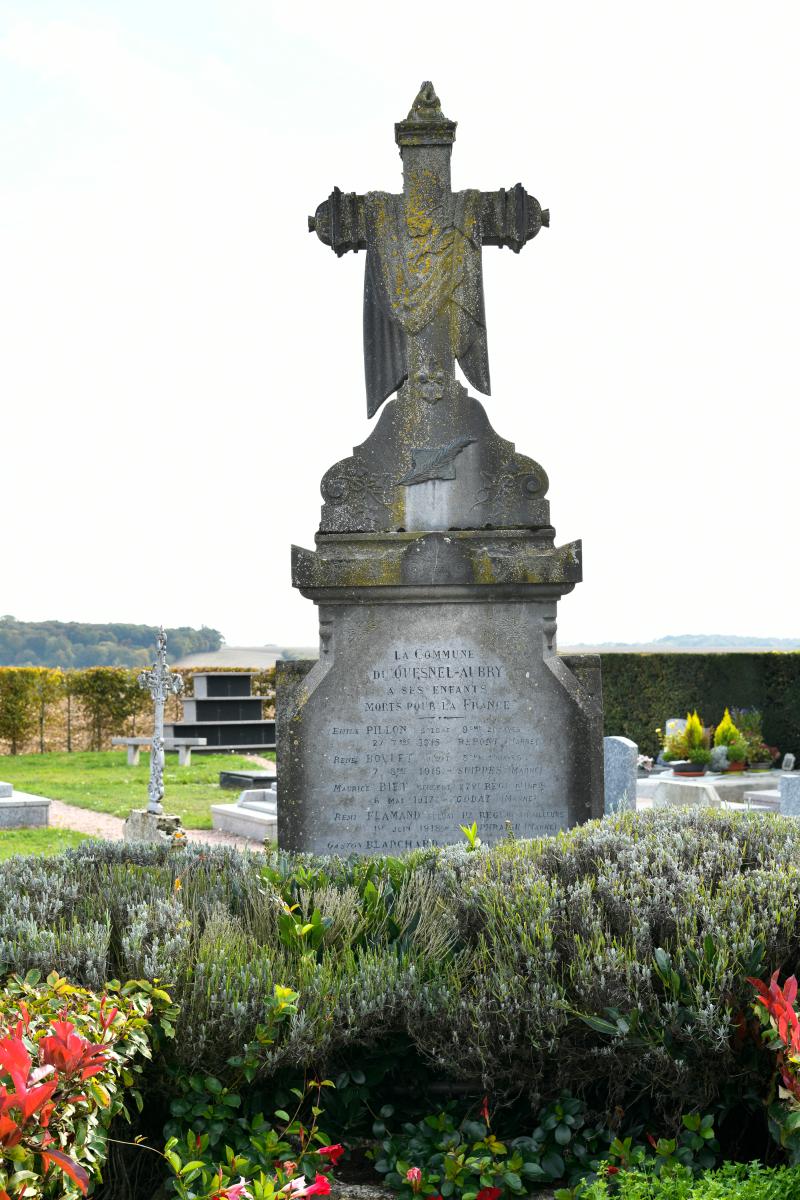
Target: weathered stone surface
[
  {"x": 674, "y": 725},
  {"x": 236, "y": 781},
  {"x": 790, "y": 795},
  {"x": 257, "y": 824},
  {"x": 768, "y": 798},
  {"x": 24, "y": 812},
  {"x": 730, "y": 788},
  {"x": 620, "y": 757},
  {"x": 5, "y": 790},
  {"x": 787, "y": 763},
  {"x": 415, "y": 722},
  {"x": 439, "y": 698},
  {"x": 693, "y": 793},
  {"x": 413, "y": 472},
  {"x": 423, "y": 288},
  {"x": 144, "y": 826}
]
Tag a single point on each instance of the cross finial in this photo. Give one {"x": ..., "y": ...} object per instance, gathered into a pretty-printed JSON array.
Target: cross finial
[{"x": 426, "y": 124}]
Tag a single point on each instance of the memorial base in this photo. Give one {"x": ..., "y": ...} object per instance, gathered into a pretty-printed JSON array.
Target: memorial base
[
  {"x": 434, "y": 707},
  {"x": 143, "y": 826}
]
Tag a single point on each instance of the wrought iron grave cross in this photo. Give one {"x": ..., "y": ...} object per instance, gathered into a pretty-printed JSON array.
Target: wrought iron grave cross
[{"x": 160, "y": 683}]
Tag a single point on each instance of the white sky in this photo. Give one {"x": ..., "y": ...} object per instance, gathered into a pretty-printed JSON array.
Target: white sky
[{"x": 180, "y": 361}]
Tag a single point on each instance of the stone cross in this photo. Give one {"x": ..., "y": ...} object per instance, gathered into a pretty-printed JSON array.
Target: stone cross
[
  {"x": 160, "y": 683},
  {"x": 423, "y": 288}
]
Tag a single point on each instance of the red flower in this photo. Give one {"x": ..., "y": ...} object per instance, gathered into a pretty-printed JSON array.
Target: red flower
[
  {"x": 414, "y": 1177},
  {"x": 67, "y": 1051},
  {"x": 334, "y": 1153},
  {"x": 485, "y": 1110},
  {"x": 490, "y": 1193},
  {"x": 320, "y": 1187},
  {"x": 612, "y": 1170}
]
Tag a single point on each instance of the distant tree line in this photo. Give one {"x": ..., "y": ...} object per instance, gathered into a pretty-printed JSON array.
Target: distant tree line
[
  {"x": 44, "y": 708},
  {"x": 72, "y": 644}
]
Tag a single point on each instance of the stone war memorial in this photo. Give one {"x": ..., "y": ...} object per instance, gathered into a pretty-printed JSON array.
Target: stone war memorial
[{"x": 439, "y": 698}]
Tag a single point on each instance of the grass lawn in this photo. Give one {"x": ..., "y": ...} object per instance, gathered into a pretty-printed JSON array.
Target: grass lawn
[
  {"x": 37, "y": 841},
  {"x": 105, "y": 783}
]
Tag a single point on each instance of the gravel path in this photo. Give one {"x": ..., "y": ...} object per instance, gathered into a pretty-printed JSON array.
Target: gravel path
[{"x": 83, "y": 820}]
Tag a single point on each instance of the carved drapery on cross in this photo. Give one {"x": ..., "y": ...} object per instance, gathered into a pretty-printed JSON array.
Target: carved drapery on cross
[
  {"x": 423, "y": 286},
  {"x": 161, "y": 684}
]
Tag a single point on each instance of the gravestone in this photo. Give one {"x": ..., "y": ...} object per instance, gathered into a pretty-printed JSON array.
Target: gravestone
[
  {"x": 18, "y": 810},
  {"x": 621, "y": 771},
  {"x": 790, "y": 795},
  {"x": 787, "y": 763},
  {"x": 439, "y": 697}
]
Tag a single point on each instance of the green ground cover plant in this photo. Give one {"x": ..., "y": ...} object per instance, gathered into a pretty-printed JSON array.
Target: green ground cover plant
[
  {"x": 103, "y": 781},
  {"x": 733, "y": 1181},
  {"x": 38, "y": 841}
]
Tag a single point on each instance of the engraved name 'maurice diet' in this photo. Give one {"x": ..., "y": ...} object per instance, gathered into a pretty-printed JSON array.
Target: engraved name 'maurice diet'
[{"x": 439, "y": 697}]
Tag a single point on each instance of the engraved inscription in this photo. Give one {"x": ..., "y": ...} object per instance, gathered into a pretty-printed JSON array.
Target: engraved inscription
[{"x": 444, "y": 737}]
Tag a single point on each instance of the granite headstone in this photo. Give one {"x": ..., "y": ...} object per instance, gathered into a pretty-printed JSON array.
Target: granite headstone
[
  {"x": 439, "y": 697},
  {"x": 789, "y": 787},
  {"x": 621, "y": 770}
]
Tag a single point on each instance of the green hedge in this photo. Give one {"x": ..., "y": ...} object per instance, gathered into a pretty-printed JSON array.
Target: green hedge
[{"x": 640, "y": 691}]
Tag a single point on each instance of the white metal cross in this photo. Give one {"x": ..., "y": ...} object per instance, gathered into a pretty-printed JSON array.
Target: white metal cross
[{"x": 160, "y": 683}]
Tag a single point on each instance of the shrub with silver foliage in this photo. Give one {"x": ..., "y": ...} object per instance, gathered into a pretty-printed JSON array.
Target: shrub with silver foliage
[{"x": 488, "y": 964}]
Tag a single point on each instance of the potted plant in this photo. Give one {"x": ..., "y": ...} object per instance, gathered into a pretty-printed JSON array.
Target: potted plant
[
  {"x": 760, "y": 756},
  {"x": 737, "y": 755},
  {"x": 688, "y": 751},
  {"x": 726, "y": 734}
]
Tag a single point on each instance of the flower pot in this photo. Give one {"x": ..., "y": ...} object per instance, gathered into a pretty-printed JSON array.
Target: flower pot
[
  {"x": 759, "y": 766},
  {"x": 735, "y": 766},
  {"x": 688, "y": 769}
]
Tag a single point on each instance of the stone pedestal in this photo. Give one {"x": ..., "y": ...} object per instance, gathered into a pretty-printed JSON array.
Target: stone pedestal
[
  {"x": 439, "y": 697},
  {"x": 142, "y": 826},
  {"x": 621, "y": 773}
]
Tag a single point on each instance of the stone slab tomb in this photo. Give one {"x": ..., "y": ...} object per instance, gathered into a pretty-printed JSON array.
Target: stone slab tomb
[
  {"x": 439, "y": 697},
  {"x": 18, "y": 810}
]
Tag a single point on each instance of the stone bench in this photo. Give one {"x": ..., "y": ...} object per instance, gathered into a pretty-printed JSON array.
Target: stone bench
[{"x": 182, "y": 745}]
